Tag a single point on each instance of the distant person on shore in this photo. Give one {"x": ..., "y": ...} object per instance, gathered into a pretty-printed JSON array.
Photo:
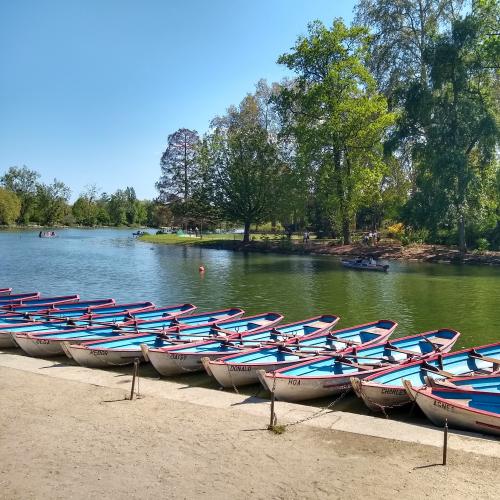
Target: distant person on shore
[{"x": 306, "y": 236}]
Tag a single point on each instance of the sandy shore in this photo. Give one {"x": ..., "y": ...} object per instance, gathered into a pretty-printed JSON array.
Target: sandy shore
[{"x": 61, "y": 439}]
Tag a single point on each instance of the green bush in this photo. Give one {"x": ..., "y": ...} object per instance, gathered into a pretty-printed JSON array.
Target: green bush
[{"x": 482, "y": 244}]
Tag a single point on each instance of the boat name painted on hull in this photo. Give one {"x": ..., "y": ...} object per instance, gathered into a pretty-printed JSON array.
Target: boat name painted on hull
[
  {"x": 239, "y": 368},
  {"x": 444, "y": 406},
  {"x": 98, "y": 353},
  {"x": 293, "y": 381},
  {"x": 398, "y": 392},
  {"x": 174, "y": 355},
  {"x": 41, "y": 341}
]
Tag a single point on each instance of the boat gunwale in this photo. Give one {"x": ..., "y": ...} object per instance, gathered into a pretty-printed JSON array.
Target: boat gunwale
[
  {"x": 223, "y": 360},
  {"x": 278, "y": 374},
  {"x": 251, "y": 332}
]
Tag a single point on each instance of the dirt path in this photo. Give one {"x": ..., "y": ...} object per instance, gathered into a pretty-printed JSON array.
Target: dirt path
[{"x": 62, "y": 439}]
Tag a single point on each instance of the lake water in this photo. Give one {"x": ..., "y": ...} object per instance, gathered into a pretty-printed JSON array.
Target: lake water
[{"x": 111, "y": 263}]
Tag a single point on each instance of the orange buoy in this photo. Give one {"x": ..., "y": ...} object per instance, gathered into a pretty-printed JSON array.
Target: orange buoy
[{"x": 201, "y": 269}]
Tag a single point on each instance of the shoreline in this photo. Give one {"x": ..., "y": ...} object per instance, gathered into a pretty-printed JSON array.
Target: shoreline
[{"x": 440, "y": 254}]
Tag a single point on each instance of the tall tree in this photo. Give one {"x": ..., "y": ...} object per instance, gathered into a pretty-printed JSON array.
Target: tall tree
[
  {"x": 52, "y": 202},
  {"x": 179, "y": 167},
  {"x": 23, "y": 182},
  {"x": 85, "y": 209},
  {"x": 402, "y": 32},
  {"x": 458, "y": 160},
  {"x": 247, "y": 166},
  {"x": 337, "y": 117},
  {"x": 10, "y": 207}
]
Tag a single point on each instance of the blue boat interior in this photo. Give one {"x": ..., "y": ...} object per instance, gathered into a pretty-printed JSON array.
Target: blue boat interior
[
  {"x": 308, "y": 327},
  {"x": 157, "y": 340},
  {"x": 369, "y": 357},
  {"x": 476, "y": 400},
  {"x": 456, "y": 363}
]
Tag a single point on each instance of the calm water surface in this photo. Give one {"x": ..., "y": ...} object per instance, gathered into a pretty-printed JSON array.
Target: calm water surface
[{"x": 110, "y": 263}]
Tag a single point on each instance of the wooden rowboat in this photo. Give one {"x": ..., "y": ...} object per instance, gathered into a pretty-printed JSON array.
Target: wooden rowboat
[
  {"x": 64, "y": 311},
  {"x": 242, "y": 368},
  {"x": 126, "y": 349},
  {"x": 480, "y": 383},
  {"x": 8, "y": 304},
  {"x": 19, "y": 334},
  {"x": 383, "y": 390},
  {"x": 18, "y": 298},
  {"x": 470, "y": 410},
  {"x": 22, "y": 309},
  {"x": 55, "y": 342},
  {"x": 329, "y": 375},
  {"x": 175, "y": 359},
  {"x": 365, "y": 265}
]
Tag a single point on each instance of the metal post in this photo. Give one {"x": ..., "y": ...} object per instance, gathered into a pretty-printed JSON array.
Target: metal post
[
  {"x": 272, "y": 420},
  {"x": 134, "y": 376},
  {"x": 445, "y": 441}
]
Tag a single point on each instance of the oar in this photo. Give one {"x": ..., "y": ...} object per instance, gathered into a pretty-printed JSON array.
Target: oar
[
  {"x": 429, "y": 368},
  {"x": 477, "y": 355},
  {"x": 358, "y": 366},
  {"x": 343, "y": 341},
  {"x": 391, "y": 347}
]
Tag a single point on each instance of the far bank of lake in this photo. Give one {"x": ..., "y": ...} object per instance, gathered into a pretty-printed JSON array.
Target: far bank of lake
[{"x": 384, "y": 250}]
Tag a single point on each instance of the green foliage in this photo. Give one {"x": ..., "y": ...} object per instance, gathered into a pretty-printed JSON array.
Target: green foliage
[
  {"x": 23, "y": 182},
  {"x": 337, "y": 118},
  {"x": 482, "y": 244},
  {"x": 246, "y": 164},
  {"x": 10, "y": 207}
]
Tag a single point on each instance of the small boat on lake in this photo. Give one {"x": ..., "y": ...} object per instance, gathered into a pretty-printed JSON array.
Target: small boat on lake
[
  {"x": 44, "y": 343},
  {"x": 242, "y": 368},
  {"x": 124, "y": 350},
  {"x": 365, "y": 265},
  {"x": 469, "y": 410},
  {"x": 330, "y": 375},
  {"x": 175, "y": 359},
  {"x": 5, "y": 291},
  {"x": 47, "y": 234},
  {"x": 385, "y": 389}
]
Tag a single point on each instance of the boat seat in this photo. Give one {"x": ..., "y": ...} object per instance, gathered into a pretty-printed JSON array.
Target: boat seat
[
  {"x": 260, "y": 322},
  {"x": 375, "y": 329},
  {"x": 318, "y": 324}
]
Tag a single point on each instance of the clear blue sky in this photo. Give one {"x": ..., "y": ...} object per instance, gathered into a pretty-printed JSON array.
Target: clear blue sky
[{"x": 90, "y": 89}]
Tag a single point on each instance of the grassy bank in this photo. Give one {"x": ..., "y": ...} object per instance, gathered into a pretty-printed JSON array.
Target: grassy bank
[{"x": 387, "y": 250}]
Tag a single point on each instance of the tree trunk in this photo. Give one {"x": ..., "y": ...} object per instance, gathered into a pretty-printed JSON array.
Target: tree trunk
[
  {"x": 462, "y": 246},
  {"x": 346, "y": 230},
  {"x": 246, "y": 234}
]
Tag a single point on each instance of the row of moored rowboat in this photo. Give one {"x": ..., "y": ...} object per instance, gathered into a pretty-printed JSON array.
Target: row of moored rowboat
[{"x": 297, "y": 361}]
